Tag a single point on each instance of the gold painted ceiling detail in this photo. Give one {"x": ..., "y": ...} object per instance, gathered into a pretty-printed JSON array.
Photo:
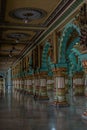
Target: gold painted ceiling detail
[{"x": 22, "y": 22}]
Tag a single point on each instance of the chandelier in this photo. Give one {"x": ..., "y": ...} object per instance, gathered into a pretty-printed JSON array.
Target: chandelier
[
  {"x": 27, "y": 17},
  {"x": 83, "y": 25}
]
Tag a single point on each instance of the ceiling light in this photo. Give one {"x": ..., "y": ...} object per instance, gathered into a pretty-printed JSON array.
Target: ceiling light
[
  {"x": 10, "y": 54},
  {"x": 27, "y": 17},
  {"x": 17, "y": 40}
]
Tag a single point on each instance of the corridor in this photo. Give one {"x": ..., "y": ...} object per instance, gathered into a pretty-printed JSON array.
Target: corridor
[{"x": 21, "y": 112}]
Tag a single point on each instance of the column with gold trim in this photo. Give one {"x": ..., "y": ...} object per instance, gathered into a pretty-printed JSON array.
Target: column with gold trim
[
  {"x": 59, "y": 87},
  {"x": 43, "y": 86},
  {"x": 84, "y": 63},
  {"x": 37, "y": 84},
  {"x": 78, "y": 84},
  {"x": 50, "y": 83},
  {"x": 30, "y": 85},
  {"x": 66, "y": 84}
]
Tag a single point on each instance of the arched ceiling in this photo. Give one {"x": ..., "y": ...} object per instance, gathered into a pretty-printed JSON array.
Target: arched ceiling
[{"x": 22, "y": 22}]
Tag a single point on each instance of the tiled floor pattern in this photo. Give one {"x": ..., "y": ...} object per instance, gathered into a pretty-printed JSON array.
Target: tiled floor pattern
[{"x": 23, "y": 113}]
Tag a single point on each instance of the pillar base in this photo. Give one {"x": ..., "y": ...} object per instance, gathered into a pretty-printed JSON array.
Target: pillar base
[
  {"x": 61, "y": 104},
  {"x": 79, "y": 90},
  {"x": 66, "y": 90},
  {"x": 50, "y": 87},
  {"x": 29, "y": 93},
  {"x": 43, "y": 98},
  {"x": 79, "y": 94}
]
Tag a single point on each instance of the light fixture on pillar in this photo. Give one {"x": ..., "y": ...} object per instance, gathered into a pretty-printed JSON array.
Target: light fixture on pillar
[{"x": 83, "y": 25}]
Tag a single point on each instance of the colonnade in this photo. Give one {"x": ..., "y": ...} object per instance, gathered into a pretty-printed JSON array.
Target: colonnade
[
  {"x": 52, "y": 65},
  {"x": 40, "y": 84}
]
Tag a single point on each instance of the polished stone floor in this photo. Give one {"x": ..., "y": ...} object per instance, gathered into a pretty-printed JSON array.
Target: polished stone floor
[{"x": 21, "y": 112}]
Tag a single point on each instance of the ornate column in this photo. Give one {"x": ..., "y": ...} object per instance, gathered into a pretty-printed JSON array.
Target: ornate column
[
  {"x": 33, "y": 84},
  {"x": 20, "y": 85},
  {"x": 13, "y": 80},
  {"x": 1, "y": 87},
  {"x": 78, "y": 83},
  {"x": 66, "y": 84},
  {"x": 37, "y": 84},
  {"x": 43, "y": 86},
  {"x": 59, "y": 87},
  {"x": 86, "y": 83},
  {"x": 15, "y": 85},
  {"x": 30, "y": 85},
  {"x": 26, "y": 85},
  {"x": 84, "y": 62},
  {"x": 50, "y": 83}
]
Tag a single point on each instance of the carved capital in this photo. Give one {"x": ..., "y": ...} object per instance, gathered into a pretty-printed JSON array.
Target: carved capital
[
  {"x": 59, "y": 72},
  {"x": 78, "y": 75}
]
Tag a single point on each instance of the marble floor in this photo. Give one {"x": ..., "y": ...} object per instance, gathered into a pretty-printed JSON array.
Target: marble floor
[{"x": 21, "y": 112}]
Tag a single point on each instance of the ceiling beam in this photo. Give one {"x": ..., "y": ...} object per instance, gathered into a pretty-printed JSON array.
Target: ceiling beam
[
  {"x": 28, "y": 27},
  {"x": 11, "y": 42}
]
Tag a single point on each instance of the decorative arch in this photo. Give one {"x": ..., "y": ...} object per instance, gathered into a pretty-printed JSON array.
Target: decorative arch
[
  {"x": 72, "y": 63},
  {"x": 77, "y": 66},
  {"x": 76, "y": 52},
  {"x": 63, "y": 42},
  {"x": 70, "y": 48},
  {"x": 46, "y": 60}
]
